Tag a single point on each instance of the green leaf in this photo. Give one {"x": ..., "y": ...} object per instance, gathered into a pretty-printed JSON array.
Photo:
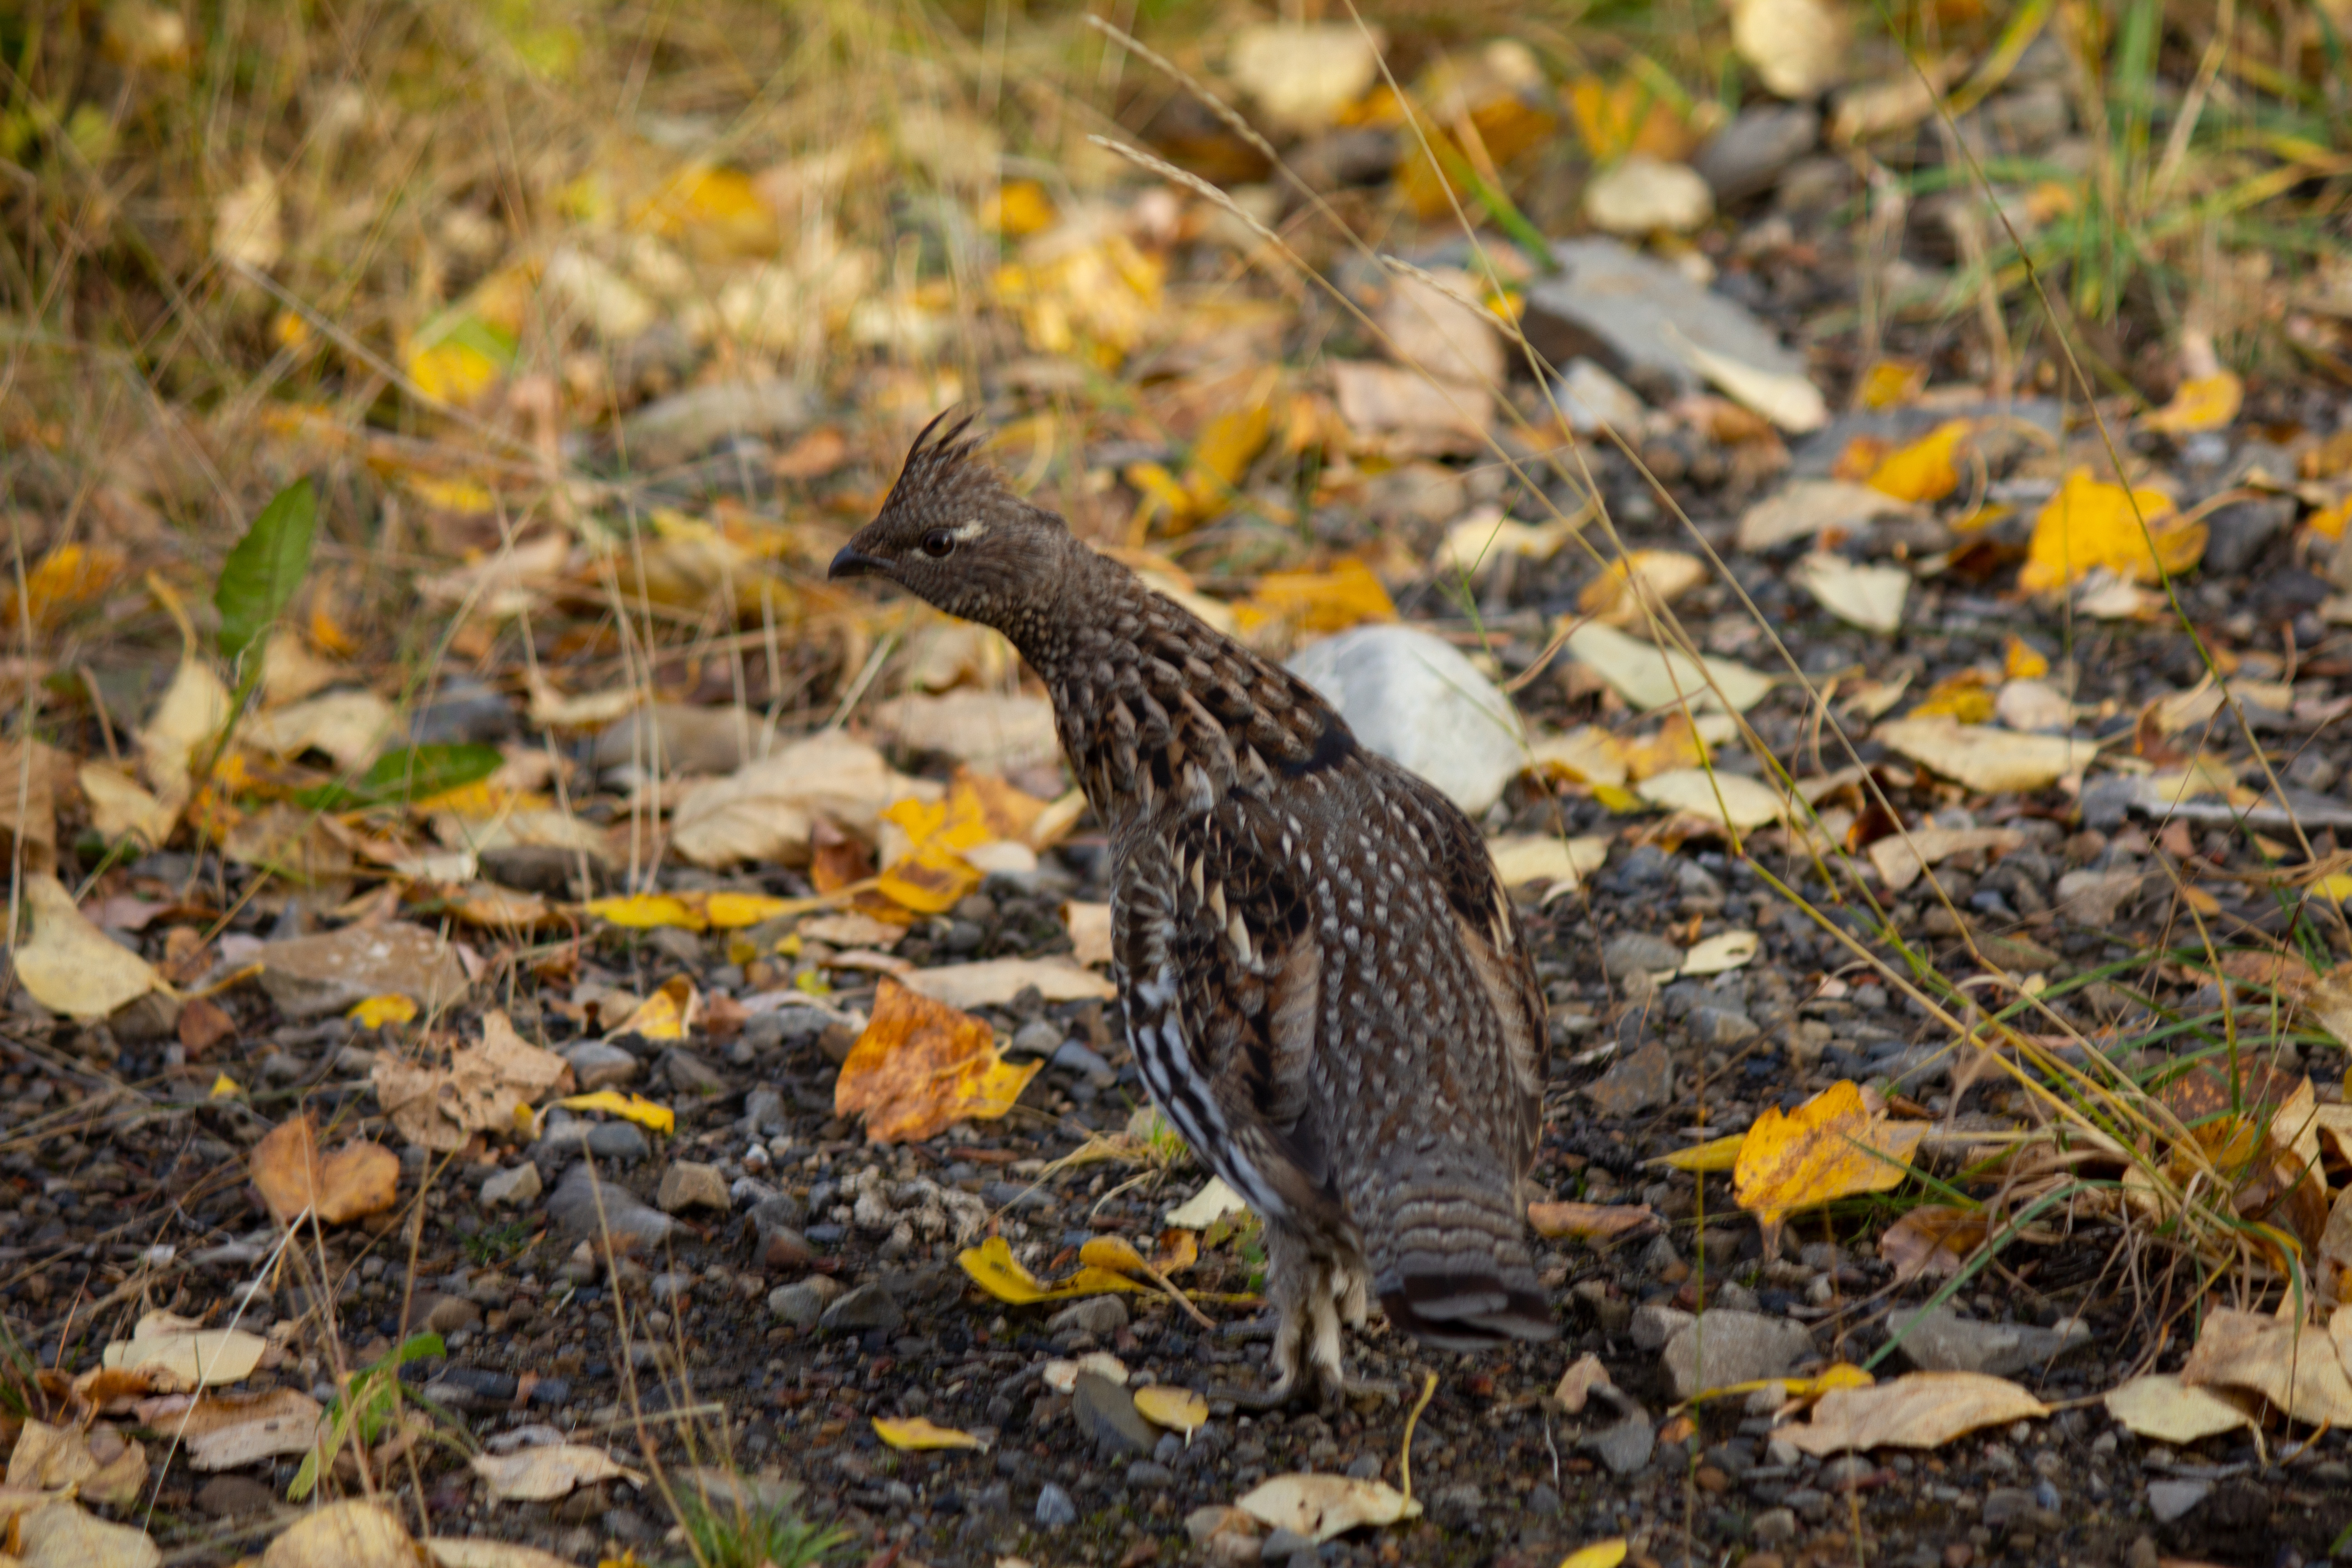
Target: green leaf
[
  {"x": 404, "y": 776},
  {"x": 258, "y": 579}
]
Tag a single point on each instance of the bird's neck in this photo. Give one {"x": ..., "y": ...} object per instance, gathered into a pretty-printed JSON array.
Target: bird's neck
[{"x": 1094, "y": 590}]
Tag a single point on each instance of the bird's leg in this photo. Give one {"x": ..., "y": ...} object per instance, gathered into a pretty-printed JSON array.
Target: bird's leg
[{"x": 1309, "y": 1292}]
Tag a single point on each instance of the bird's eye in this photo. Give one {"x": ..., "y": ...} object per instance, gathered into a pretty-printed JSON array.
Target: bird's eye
[{"x": 937, "y": 543}]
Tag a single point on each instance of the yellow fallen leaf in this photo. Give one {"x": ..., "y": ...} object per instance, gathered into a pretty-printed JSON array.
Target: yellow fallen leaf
[
  {"x": 2090, "y": 523},
  {"x": 1654, "y": 578},
  {"x": 375, "y": 1012},
  {"x": 1178, "y": 1409},
  {"x": 2328, "y": 521},
  {"x": 636, "y": 1108},
  {"x": 918, "y": 1433},
  {"x": 732, "y": 911},
  {"x": 1599, "y": 1554},
  {"x": 1966, "y": 696},
  {"x": 930, "y": 879},
  {"x": 644, "y": 912},
  {"x": 70, "y": 966},
  {"x": 1018, "y": 209},
  {"x": 667, "y": 1014},
  {"x": 1926, "y": 469},
  {"x": 1345, "y": 594},
  {"x": 1830, "y": 1147},
  {"x": 1891, "y": 382},
  {"x": 225, "y": 1088},
  {"x": 921, "y": 1066},
  {"x": 2200, "y": 403},
  {"x": 1115, "y": 1253},
  {"x": 1714, "y": 1156},
  {"x": 67, "y": 577},
  {"x": 2022, "y": 661},
  {"x": 994, "y": 1269}
]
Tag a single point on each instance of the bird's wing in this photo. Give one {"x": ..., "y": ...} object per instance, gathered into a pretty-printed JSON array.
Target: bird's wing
[{"x": 1219, "y": 970}]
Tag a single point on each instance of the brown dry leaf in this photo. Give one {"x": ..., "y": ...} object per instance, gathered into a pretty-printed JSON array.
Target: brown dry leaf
[
  {"x": 287, "y": 841},
  {"x": 1901, "y": 857},
  {"x": 922, "y": 1066},
  {"x": 194, "y": 709},
  {"x": 1932, "y": 1240},
  {"x": 186, "y": 1353},
  {"x": 479, "y": 1092},
  {"x": 2164, "y": 1409},
  {"x": 1577, "y": 1384},
  {"x": 29, "y": 774},
  {"x": 230, "y": 1431},
  {"x": 1830, "y": 1147},
  {"x": 991, "y": 983},
  {"x": 479, "y": 1551},
  {"x": 1417, "y": 417},
  {"x": 1989, "y": 760},
  {"x": 70, "y": 966},
  {"x": 2289, "y": 1364},
  {"x": 1638, "y": 585},
  {"x": 541, "y": 1475},
  {"x": 1922, "y": 1410},
  {"x": 1592, "y": 1222},
  {"x": 349, "y": 726},
  {"x": 1322, "y": 1507},
  {"x": 344, "y": 1535},
  {"x": 49, "y": 1459},
  {"x": 767, "y": 810}
]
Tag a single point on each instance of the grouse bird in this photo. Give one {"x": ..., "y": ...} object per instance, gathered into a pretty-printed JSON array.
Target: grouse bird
[{"x": 1326, "y": 989}]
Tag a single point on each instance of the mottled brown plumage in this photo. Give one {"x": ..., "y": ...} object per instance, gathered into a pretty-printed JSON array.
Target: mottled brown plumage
[{"x": 1326, "y": 989}]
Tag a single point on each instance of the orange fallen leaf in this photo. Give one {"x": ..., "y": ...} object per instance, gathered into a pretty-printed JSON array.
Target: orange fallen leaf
[
  {"x": 922, "y": 1066},
  {"x": 359, "y": 1179},
  {"x": 1592, "y": 1222},
  {"x": 1891, "y": 382},
  {"x": 2200, "y": 403},
  {"x": 1932, "y": 1240}
]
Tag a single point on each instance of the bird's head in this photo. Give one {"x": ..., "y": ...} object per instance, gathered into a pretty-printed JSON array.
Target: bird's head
[{"x": 952, "y": 534}]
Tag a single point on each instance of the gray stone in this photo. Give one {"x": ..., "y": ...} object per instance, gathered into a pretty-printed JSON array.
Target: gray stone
[
  {"x": 1625, "y": 1446},
  {"x": 1634, "y": 1083},
  {"x": 619, "y": 1141},
  {"x": 1151, "y": 1474},
  {"x": 1415, "y": 698},
  {"x": 867, "y": 1307},
  {"x": 1722, "y": 1347},
  {"x": 802, "y": 1304},
  {"x": 1629, "y": 950},
  {"x": 1847, "y": 1472},
  {"x": 233, "y": 1496},
  {"x": 516, "y": 1184},
  {"x": 1719, "y": 1025},
  {"x": 764, "y": 1114},
  {"x": 2237, "y": 533},
  {"x": 1654, "y": 1323},
  {"x": 585, "y": 1206},
  {"x": 1638, "y": 317},
  {"x": 2168, "y": 1500},
  {"x": 687, "y": 424},
  {"x": 598, "y": 1064},
  {"x": 1745, "y": 157},
  {"x": 1072, "y": 1056},
  {"x": 690, "y": 1185},
  {"x": 1773, "y": 1527},
  {"x": 1101, "y": 1316},
  {"x": 463, "y": 709},
  {"x": 1940, "y": 1340},
  {"x": 332, "y": 973},
  {"x": 690, "y": 1074},
  {"x": 1055, "y": 1508},
  {"x": 1037, "y": 1038},
  {"x": 1543, "y": 1501},
  {"x": 2006, "y": 1505},
  {"x": 1106, "y": 1412},
  {"x": 1589, "y": 398}
]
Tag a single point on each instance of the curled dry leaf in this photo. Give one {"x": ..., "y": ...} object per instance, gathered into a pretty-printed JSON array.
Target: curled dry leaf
[
  {"x": 1062, "y": 1376},
  {"x": 1321, "y": 1507},
  {"x": 62, "y": 1535},
  {"x": 1521, "y": 859},
  {"x": 1728, "y": 951},
  {"x": 921, "y": 1066},
  {"x": 1178, "y": 1409},
  {"x": 1868, "y": 596},
  {"x": 1638, "y": 585},
  {"x": 2292, "y": 1365},
  {"x": 230, "y": 1431},
  {"x": 1922, "y": 1410},
  {"x": 1650, "y": 678},
  {"x": 1901, "y": 857},
  {"x": 479, "y": 1092},
  {"x": 1578, "y": 1382},
  {"x": 542, "y": 1475},
  {"x": 1206, "y": 1207},
  {"x": 186, "y": 1353},
  {"x": 1089, "y": 928},
  {"x": 1987, "y": 759},
  {"x": 767, "y": 810},
  {"x": 996, "y": 981},
  {"x": 1932, "y": 1240},
  {"x": 667, "y": 1014},
  {"x": 359, "y": 1179},
  {"x": 1830, "y": 1147},
  {"x": 70, "y": 966},
  {"x": 1592, "y": 1222},
  {"x": 918, "y": 1433}
]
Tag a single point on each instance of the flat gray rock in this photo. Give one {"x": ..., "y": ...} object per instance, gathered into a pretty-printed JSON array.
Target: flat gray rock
[
  {"x": 1634, "y": 1083},
  {"x": 598, "y": 1064},
  {"x": 2168, "y": 1500},
  {"x": 1106, "y": 1413},
  {"x": 1635, "y": 316},
  {"x": 1416, "y": 700},
  {"x": 1638, "y": 950},
  {"x": 1745, "y": 157},
  {"x": 1624, "y": 1448},
  {"x": 517, "y": 1185},
  {"x": 337, "y": 970},
  {"x": 1941, "y": 1340},
  {"x": 585, "y": 1206},
  {"x": 1719, "y": 1348},
  {"x": 802, "y": 1304},
  {"x": 867, "y": 1307}
]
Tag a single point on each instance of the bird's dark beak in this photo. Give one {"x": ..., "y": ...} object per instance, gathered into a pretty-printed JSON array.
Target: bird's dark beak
[{"x": 854, "y": 562}]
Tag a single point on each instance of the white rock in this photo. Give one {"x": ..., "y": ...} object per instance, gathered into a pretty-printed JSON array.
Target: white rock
[
  {"x": 1591, "y": 398},
  {"x": 1416, "y": 700},
  {"x": 1643, "y": 194}
]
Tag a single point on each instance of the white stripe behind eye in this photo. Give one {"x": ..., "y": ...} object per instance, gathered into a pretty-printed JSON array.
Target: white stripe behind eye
[{"x": 967, "y": 531}]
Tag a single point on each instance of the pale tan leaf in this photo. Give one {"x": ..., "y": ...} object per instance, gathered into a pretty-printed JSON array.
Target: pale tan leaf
[
  {"x": 194, "y": 709},
  {"x": 1804, "y": 508},
  {"x": 1650, "y": 678},
  {"x": 1798, "y": 48},
  {"x": 1522, "y": 859},
  {"x": 1322, "y": 1507},
  {"x": 1921, "y": 1410},
  {"x": 121, "y": 808},
  {"x": 766, "y": 810},
  {"x": 1900, "y": 858},
  {"x": 70, "y": 966},
  {"x": 1987, "y": 759},
  {"x": 63, "y": 1536},
  {"x": 1726, "y": 950},
  {"x": 1867, "y": 596},
  {"x": 1089, "y": 928},
  {"x": 349, "y": 726},
  {"x": 542, "y": 1475},
  {"x": 1205, "y": 1208},
  {"x": 994, "y": 981},
  {"x": 2161, "y": 1407},
  {"x": 1733, "y": 799},
  {"x": 1301, "y": 75},
  {"x": 2286, "y": 1363},
  {"x": 193, "y": 1355},
  {"x": 344, "y": 1535},
  {"x": 480, "y": 1552}
]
